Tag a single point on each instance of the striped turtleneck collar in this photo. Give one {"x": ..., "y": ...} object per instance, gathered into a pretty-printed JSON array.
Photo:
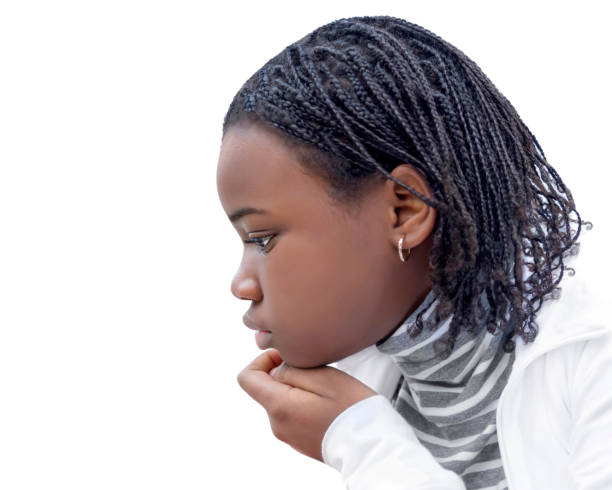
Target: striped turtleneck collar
[{"x": 451, "y": 402}]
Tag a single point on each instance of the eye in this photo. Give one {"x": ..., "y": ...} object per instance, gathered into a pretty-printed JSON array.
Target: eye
[{"x": 262, "y": 241}]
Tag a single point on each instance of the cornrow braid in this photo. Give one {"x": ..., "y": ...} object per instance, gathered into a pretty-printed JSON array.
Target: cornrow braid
[{"x": 359, "y": 96}]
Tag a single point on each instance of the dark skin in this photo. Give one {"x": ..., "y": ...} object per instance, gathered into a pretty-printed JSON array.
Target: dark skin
[{"x": 325, "y": 282}]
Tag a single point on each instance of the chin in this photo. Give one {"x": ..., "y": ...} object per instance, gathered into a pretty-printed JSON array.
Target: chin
[{"x": 304, "y": 363}]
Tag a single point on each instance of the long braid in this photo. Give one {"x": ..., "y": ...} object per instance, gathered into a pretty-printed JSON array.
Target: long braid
[{"x": 359, "y": 96}]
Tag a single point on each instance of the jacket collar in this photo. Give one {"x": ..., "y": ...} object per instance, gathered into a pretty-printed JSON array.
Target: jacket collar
[{"x": 577, "y": 315}]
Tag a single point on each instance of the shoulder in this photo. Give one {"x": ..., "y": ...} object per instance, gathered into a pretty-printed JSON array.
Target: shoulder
[
  {"x": 580, "y": 312},
  {"x": 594, "y": 356}
]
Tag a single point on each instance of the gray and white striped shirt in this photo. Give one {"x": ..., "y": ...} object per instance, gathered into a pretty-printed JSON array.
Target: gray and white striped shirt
[{"x": 451, "y": 402}]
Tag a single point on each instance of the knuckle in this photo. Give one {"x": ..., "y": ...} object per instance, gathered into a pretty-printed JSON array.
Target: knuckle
[
  {"x": 278, "y": 432},
  {"x": 278, "y": 412},
  {"x": 240, "y": 378}
]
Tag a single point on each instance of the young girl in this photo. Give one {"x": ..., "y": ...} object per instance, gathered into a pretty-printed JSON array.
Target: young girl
[{"x": 400, "y": 218}]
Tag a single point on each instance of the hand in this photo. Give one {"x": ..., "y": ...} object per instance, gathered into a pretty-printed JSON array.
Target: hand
[{"x": 301, "y": 403}]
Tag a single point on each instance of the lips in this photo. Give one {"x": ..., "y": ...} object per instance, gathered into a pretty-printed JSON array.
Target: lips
[
  {"x": 263, "y": 339},
  {"x": 251, "y": 324}
]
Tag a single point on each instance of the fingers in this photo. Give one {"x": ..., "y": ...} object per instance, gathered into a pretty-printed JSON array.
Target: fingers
[
  {"x": 275, "y": 355},
  {"x": 320, "y": 380},
  {"x": 265, "y": 361},
  {"x": 259, "y": 385}
]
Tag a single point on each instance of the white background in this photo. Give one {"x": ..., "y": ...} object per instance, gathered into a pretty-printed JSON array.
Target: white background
[{"x": 119, "y": 339}]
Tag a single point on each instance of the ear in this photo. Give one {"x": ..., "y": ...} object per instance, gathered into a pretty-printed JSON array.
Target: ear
[{"x": 409, "y": 216}]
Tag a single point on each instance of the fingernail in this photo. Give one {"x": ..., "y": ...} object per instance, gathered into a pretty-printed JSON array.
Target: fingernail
[{"x": 273, "y": 371}]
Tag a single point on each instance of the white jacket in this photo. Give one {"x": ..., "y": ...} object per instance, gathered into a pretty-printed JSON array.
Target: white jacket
[{"x": 554, "y": 416}]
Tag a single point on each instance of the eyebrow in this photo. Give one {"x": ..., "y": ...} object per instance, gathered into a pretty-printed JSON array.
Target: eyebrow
[{"x": 236, "y": 215}]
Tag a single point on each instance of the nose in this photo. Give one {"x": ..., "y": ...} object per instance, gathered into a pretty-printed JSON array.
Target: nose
[{"x": 245, "y": 285}]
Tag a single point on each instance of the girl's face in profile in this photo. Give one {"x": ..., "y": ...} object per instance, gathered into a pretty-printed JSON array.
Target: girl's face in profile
[{"x": 325, "y": 284}]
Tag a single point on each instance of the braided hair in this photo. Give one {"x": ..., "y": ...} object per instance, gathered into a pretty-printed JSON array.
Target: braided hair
[{"x": 359, "y": 96}]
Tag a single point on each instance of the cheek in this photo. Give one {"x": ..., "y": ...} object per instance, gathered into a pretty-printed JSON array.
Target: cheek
[
  {"x": 321, "y": 298},
  {"x": 300, "y": 277},
  {"x": 315, "y": 277}
]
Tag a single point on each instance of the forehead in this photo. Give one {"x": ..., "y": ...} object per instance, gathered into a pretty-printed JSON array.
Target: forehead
[{"x": 256, "y": 169}]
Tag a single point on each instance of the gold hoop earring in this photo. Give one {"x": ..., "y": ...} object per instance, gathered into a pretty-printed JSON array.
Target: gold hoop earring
[{"x": 400, "y": 251}]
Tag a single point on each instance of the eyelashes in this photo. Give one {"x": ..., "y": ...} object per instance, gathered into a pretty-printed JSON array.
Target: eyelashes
[{"x": 263, "y": 242}]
